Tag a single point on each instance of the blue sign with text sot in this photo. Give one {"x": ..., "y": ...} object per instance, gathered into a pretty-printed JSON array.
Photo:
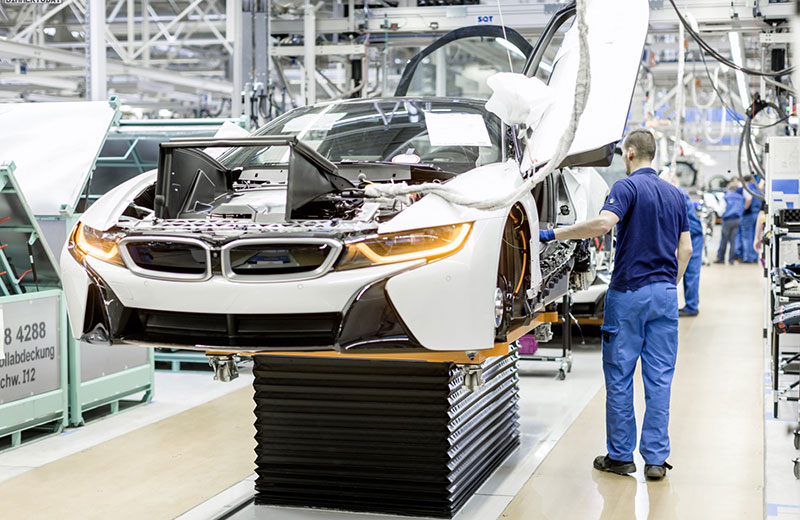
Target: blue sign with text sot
[{"x": 485, "y": 19}]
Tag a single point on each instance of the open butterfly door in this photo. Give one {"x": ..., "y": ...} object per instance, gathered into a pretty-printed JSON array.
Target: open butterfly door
[
  {"x": 480, "y": 50},
  {"x": 616, "y": 42}
]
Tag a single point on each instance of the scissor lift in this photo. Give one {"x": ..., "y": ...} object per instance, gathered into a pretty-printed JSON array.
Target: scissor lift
[{"x": 412, "y": 434}]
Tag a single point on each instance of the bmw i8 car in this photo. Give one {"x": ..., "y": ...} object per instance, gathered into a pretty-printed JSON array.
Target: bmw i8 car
[{"x": 271, "y": 242}]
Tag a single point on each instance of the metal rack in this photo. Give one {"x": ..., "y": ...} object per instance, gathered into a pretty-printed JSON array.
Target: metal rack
[
  {"x": 782, "y": 293},
  {"x": 785, "y": 359},
  {"x": 75, "y": 132},
  {"x": 564, "y": 360},
  {"x": 33, "y": 355}
]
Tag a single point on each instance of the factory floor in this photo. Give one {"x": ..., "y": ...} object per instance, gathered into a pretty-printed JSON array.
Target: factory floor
[
  {"x": 716, "y": 426},
  {"x": 189, "y": 454}
]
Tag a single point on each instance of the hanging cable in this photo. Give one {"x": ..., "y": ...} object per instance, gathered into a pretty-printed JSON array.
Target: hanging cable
[
  {"x": 719, "y": 57},
  {"x": 582, "y": 88},
  {"x": 505, "y": 36},
  {"x": 723, "y": 130},
  {"x": 696, "y": 101},
  {"x": 757, "y": 106},
  {"x": 680, "y": 103},
  {"x": 732, "y": 114}
]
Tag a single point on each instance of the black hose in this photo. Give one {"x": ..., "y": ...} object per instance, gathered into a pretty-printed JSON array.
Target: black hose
[
  {"x": 719, "y": 57},
  {"x": 739, "y": 160},
  {"x": 221, "y": 108},
  {"x": 751, "y": 152},
  {"x": 731, "y": 111},
  {"x": 757, "y": 106}
]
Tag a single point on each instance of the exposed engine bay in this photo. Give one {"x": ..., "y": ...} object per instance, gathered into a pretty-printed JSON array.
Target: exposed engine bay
[{"x": 204, "y": 199}]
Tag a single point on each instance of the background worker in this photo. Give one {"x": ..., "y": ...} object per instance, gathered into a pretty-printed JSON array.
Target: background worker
[
  {"x": 641, "y": 308},
  {"x": 747, "y": 225},
  {"x": 734, "y": 209},
  {"x": 691, "y": 279}
]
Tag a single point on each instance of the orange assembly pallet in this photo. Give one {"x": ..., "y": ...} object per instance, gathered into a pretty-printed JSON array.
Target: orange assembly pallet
[{"x": 457, "y": 356}]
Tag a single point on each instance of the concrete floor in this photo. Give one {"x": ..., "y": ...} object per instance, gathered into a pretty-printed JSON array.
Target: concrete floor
[
  {"x": 190, "y": 452},
  {"x": 716, "y": 426}
]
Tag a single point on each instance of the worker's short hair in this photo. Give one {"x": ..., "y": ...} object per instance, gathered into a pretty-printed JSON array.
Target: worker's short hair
[
  {"x": 749, "y": 178},
  {"x": 642, "y": 141}
]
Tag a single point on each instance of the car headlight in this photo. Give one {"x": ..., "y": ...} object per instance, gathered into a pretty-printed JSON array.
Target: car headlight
[
  {"x": 417, "y": 244},
  {"x": 85, "y": 241}
]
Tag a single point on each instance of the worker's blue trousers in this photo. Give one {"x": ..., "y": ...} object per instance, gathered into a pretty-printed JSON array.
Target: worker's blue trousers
[
  {"x": 691, "y": 279},
  {"x": 745, "y": 238},
  {"x": 641, "y": 323}
]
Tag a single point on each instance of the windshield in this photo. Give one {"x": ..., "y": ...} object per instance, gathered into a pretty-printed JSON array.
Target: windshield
[{"x": 452, "y": 136}]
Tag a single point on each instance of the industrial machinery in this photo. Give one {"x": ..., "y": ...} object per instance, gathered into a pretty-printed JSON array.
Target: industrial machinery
[{"x": 783, "y": 271}]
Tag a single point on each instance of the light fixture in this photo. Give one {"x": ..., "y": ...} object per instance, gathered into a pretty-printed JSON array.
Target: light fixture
[{"x": 736, "y": 52}]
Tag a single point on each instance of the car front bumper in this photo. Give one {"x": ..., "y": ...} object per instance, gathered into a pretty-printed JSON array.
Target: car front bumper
[{"x": 442, "y": 305}]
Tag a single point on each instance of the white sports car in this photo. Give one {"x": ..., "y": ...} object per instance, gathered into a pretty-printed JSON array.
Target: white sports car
[{"x": 269, "y": 242}]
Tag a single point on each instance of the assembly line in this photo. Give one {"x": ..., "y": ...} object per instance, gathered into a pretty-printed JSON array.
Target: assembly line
[{"x": 467, "y": 259}]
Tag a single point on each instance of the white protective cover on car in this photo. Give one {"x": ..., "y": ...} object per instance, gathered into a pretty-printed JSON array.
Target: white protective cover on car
[
  {"x": 616, "y": 39},
  {"x": 518, "y": 99}
]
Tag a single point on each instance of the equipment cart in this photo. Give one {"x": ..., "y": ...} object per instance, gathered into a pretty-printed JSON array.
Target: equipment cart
[{"x": 544, "y": 335}]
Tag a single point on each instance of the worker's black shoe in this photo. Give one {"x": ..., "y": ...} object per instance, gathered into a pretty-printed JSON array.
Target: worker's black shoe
[
  {"x": 719, "y": 261},
  {"x": 620, "y": 467},
  {"x": 653, "y": 472},
  {"x": 684, "y": 312}
]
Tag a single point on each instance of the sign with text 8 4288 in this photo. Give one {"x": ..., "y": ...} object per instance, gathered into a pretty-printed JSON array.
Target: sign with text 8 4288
[{"x": 29, "y": 359}]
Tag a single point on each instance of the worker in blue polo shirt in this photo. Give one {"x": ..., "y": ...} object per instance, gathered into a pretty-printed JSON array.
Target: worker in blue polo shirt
[
  {"x": 747, "y": 224},
  {"x": 641, "y": 306}
]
